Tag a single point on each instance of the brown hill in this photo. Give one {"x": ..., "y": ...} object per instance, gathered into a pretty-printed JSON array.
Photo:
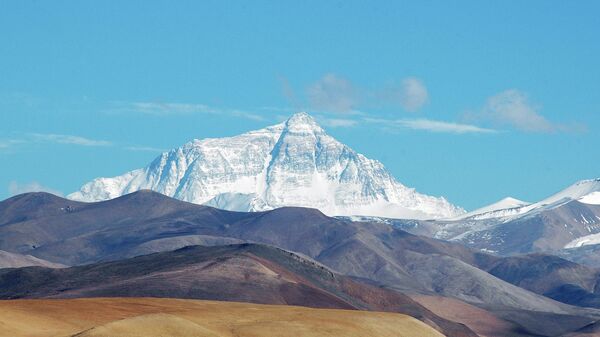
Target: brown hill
[
  {"x": 118, "y": 317},
  {"x": 247, "y": 272}
]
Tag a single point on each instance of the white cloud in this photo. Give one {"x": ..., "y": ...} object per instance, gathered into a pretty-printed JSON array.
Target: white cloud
[
  {"x": 15, "y": 188},
  {"x": 246, "y": 115},
  {"x": 512, "y": 107},
  {"x": 337, "y": 122},
  {"x": 4, "y": 144},
  {"x": 411, "y": 95},
  {"x": 144, "y": 149},
  {"x": 431, "y": 126},
  {"x": 441, "y": 126},
  {"x": 68, "y": 139},
  {"x": 167, "y": 109},
  {"x": 332, "y": 93},
  {"x": 7, "y": 143},
  {"x": 163, "y": 109}
]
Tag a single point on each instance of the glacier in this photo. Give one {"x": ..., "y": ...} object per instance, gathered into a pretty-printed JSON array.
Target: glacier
[{"x": 294, "y": 163}]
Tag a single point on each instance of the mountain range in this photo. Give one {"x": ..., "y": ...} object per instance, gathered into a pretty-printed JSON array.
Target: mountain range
[
  {"x": 242, "y": 273},
  {"x": 566, "y": 223},
  {"x": 103, "y": 237}
]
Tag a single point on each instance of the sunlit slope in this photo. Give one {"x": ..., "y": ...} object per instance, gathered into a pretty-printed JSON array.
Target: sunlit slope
[{"x": 134, "y": 317}]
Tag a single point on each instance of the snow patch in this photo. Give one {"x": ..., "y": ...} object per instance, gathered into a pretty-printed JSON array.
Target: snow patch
[
  {"x": 591, "y": 199},
  {"x": 591, "y": 239}
]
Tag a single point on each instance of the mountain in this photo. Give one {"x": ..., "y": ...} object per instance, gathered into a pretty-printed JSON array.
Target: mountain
[
  {"x": 145, "y": 221},
  {"x": 482, "y": 322},
  {"x": 241, "y": 273},
  {"x": 295, "y": 163},
  {"x": 584, "y": 191},
  {"x": 504, "y": 206},
  {"x": 561, "y": 224},
  {"x": 13, "y": 260},
  {"x": 137, "y": 317},
  {"x": 551, "y": 276}
]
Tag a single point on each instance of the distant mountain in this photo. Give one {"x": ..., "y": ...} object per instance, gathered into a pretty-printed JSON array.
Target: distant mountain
[
  {"x": 551, "y": 276},
  {"x": 145, "y": 221},
  {"x": 499, "y": 208},
  {"x": 566, "y": 220},
  {"x": 242, "y": 273},
  {"x": 584, "y": 191},
  {"x": 295, "y": 163}
]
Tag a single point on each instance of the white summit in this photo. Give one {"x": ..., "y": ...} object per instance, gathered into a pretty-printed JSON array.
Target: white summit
[{"x": 294, "y": 163}]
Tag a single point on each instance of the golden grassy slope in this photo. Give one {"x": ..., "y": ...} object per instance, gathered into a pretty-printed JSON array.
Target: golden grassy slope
[{"x": 137, "y": 317}]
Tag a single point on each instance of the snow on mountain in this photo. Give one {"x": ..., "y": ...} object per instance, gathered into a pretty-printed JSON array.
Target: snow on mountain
[
  {"x": 591, "y": 199},
  {"x": 592, "y": 239},
  {"x": 577, "y": 191},
  {"x": 567, "y": 219},
  {"x": 295, "y": 163},
  {"x": 585, "y": 191},
  {"x": 504, "y": 207}
]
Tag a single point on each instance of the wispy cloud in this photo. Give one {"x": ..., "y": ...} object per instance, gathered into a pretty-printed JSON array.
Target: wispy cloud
[
  {"x": 165, "y": 109},
  {"x": 288, "y": 92},
  {"x": 336, "y": 122},
  {"x": 144, "y": 149},
  {"x": 430, "y": 125},
  {"x": 169, "y": 109},
  {"x": 513, "y": 108},
  {"x": 333, "y": 93},
  {"x": 8, "y": 143},
  {"x": 411, "y": 94},
  {"x": 67, "y": 139},
  {"x": 15, "y": 188},
  {"x": 53, "y": 138},
  {"x": 245, "y": 114}
]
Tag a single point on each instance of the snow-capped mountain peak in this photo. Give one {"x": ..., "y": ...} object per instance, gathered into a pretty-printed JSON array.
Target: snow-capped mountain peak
[
  {"x": 585, "y": 191},
  {"x": 302, "y": 122},
  {"x": 294, "y": 163},
  {"x": 504, "y": 207},
  {"x": 576, "y": 191}
]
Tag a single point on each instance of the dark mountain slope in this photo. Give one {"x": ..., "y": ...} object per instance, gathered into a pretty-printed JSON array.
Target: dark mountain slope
[
  {"x": 247, "y": 272},
  {"x": 552, "y": 276},
  {"x": 30, "y": 206},
  {"x": 146, "y": 221}
]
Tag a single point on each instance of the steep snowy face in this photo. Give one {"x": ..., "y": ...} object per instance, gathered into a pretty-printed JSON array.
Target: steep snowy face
[{"x": 290, "y": 164}]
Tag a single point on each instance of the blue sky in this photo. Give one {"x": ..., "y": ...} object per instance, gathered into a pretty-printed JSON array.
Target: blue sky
[{"x": 472, "y": 100}]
